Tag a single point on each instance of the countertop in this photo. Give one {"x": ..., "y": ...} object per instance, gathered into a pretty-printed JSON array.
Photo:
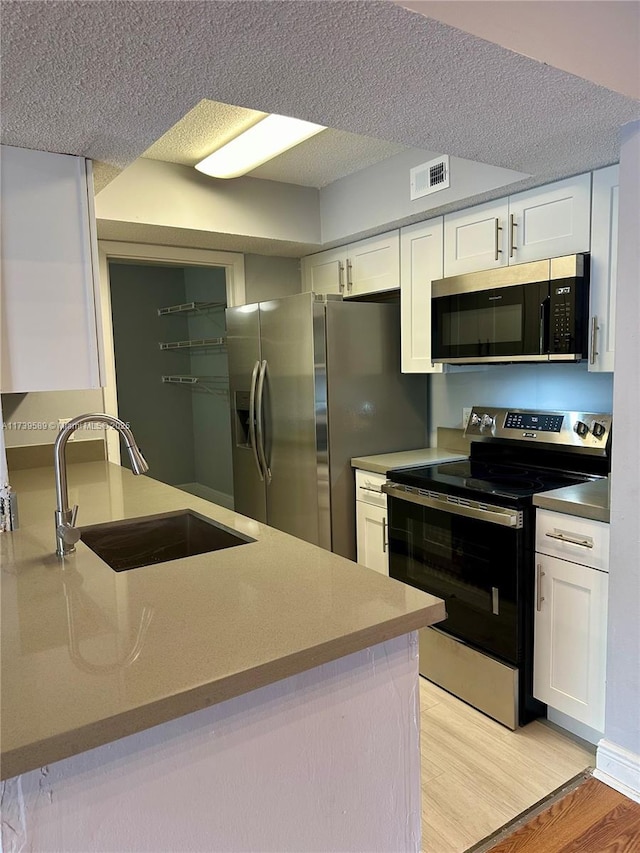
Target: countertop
[
  {"x": 90, "y": 655},
  {"x": 587, "y": 500},
  {"x": 385, "y": 462}
]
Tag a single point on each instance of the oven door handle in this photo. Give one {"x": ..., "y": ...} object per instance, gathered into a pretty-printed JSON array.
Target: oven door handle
[{"x": 503, "y": 516}]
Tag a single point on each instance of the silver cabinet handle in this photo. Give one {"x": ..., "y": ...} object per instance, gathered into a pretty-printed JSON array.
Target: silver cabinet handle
[
  {"x": 260, "y": 422},
  {"x": 349, "y": 278},
  {"x": 340, "y": 276},
  {"x": 384, "y": 536},
  {"x": 594, "y": 340},
  {"x": 512, "y": 242},
  {"x": 252, "y": 419},
  {"x": 539, "y": 596},
  {"x": 498, "y": 230},
  {"x": 563, "y": 537}
]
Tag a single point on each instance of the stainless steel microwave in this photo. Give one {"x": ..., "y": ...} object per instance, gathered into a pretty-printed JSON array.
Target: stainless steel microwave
[{"x": 526, "y": 312}]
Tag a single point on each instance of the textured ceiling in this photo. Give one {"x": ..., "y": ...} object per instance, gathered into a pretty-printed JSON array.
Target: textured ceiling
[
  {"x": 317, "y": 162},
  {"x": 107, "y": 79}
]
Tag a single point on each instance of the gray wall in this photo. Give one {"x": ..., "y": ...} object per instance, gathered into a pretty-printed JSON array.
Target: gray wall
[
  {"x": 530, "y": 386},
  {"x": 622, "y": 721},
  {"x": 379, "y": 196},
  {"x": 210, "y": 408},
  {"x": 160, "y": 415},
  {"x": 269, "y": 277}
]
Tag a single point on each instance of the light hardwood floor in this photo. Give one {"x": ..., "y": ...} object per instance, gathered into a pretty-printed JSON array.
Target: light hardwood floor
[{"x": 478, "y": 775}]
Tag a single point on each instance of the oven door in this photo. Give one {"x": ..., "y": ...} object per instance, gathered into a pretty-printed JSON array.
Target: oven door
[
  {"x": 468, "y": 554},
  {"x": 497, "y": 324}
]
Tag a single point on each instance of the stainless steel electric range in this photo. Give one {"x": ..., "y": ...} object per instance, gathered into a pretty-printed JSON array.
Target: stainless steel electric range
[{"x": 464, "y": 531}]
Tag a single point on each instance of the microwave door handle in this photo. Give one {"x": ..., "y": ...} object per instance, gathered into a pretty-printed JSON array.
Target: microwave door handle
[{"x": 544, "y": 325}]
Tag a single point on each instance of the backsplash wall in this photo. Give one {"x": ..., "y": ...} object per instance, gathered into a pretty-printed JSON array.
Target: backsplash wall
[{"x": 526, "y": 386}]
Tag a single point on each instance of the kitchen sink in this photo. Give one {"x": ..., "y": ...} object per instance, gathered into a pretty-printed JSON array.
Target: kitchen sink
[{"x": 136, "y": 542}]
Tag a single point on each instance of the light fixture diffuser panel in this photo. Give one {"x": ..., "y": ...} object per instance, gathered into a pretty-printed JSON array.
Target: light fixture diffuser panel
[
  {"x": 271, "y": 136},
  {"x": 430, "y": 177}
]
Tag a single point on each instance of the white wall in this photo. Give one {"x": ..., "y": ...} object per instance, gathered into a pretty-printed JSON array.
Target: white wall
[
  {"x": 327, "y": 760},
  {"x": 157, "y": 193},
  {"x": 622, "y": 721},
  {"x": 594, "y": 40},
  {"x": 378, "y": 195}
]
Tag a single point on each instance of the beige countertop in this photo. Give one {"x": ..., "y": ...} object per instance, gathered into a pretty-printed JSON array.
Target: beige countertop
[
  {"x": 385, "y": 462},
  {"x": 90, "y": 655},
  {"x": 587, "y": 500}
]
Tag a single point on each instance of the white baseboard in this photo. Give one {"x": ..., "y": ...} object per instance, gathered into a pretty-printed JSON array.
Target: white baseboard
[
  {"x": 208, "y": 494},
  {"x": 619, "y": 768}
]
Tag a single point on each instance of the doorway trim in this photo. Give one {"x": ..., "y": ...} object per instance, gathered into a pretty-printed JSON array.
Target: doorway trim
[{"x": 231, "y": 262}]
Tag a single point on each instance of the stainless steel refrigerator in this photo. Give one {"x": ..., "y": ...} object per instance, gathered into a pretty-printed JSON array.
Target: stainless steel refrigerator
[{"x": 315, "y": 381}]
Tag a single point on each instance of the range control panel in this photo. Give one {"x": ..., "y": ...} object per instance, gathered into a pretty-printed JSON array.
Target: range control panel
[{"x": 587, "y": 430}]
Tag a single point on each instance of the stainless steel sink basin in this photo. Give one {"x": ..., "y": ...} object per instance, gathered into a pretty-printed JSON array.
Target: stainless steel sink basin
[{"x": 136, "y": 542}]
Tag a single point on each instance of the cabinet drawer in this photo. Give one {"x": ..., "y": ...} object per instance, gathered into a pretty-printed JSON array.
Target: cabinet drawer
[
  {"x": 578, "y": 540},
  {"x": 369, "y": 488}
]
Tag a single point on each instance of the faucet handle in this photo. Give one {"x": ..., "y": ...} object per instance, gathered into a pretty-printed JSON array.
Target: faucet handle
[{"x": 68, "y": 533}]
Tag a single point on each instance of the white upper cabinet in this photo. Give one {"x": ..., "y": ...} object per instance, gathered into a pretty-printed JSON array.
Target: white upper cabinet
[
  {"x": 604, "y": 268},
  {"x": 421, "y": 261},
  {"x": 545, "y": 222},
  {"x": 475, "y": 239},
  {"x": 367, "y": 266},
  {"x": 550, "y": 221},
  {"x": 49, "y": 273},
  {"x": 325, "y": 272}
]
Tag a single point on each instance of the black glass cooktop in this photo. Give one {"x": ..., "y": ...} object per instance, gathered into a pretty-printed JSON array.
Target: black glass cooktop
[{"x": 485, "y": 478}]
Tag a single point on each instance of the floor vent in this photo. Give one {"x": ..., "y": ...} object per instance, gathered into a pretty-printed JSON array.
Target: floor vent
[{"x": 430, "y": 177}]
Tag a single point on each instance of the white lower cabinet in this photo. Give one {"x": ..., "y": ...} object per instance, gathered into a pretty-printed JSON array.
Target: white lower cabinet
[
  {"x": 570, "y": 643},
  {"x": 371, "y": 521}
]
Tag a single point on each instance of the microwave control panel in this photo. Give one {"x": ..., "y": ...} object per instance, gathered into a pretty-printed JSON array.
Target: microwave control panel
[{"x": 562, "y": 318}]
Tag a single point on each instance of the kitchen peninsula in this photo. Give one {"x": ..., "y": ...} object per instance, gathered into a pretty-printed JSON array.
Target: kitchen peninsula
[{"x": 259, "y": 697}]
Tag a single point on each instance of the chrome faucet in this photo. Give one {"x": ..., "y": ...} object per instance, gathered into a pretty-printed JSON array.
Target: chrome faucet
[{"x": 67, "y": 534}]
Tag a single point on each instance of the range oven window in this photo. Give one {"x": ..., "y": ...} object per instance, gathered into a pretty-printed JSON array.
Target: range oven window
[{"x": 473, "y": 565}]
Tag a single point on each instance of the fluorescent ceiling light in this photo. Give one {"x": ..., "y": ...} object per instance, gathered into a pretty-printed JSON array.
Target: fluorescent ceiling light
[{"x": 261, "y": 142}]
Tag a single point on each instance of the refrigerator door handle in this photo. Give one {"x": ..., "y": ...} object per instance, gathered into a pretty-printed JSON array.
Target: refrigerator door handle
[
  {"x": 260, "y": 422},
  {"x": 252, "y": 419}
]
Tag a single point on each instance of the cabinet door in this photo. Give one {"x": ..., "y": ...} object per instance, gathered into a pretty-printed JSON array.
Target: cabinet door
[
  {"x": 421, "y": 261},
  {"x": 475, "y": 239},
  {"x": 49, "y": 254},
  {"x": 325, "y": 272},
  {"x": 604, "y": 268},
  {"x": 374, "y": 264},
  {"x": 571, "y": 639},
  {"x": 371, "y": 526},
  {"x": 551, "y": 221}
]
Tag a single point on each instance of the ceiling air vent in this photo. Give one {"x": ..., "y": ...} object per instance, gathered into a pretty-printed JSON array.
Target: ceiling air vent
[{"x": 430, "y": 177}]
